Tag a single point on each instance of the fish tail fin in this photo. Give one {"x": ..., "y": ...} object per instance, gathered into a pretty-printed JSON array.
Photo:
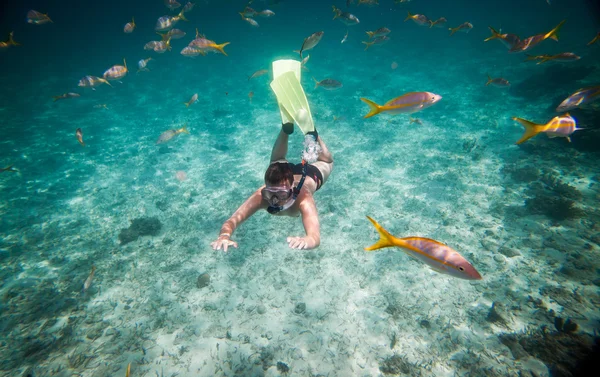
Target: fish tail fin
[
  {"x": 316, "y": 82},
  {"x": 553, "y": 34},
  {"x": 187, "y": 104},
  {"x": 408, "y": 17},
  {"x": 431, "y": 23},
  {"x": 11, "y": 40},
  {"x": 220, "y": 47},
  {"x": 531, "y": 129},
  {"x": 594, "y": 40},
  {"x": 530, "y": 57},
  {"x": 56, "y": 98},
  {"x": 452, "y": 31},
  {"x": 385, "y": 238},
  {"x": 489, "y": 80},
  {"x": 373, "y": 107},
  {"x": 181, "y": 15},
  {"x": 124, "y": 63},
  {"x": 495, "y": 34},
  {"x": 105, "y": 81},
  {"x": 370, "y": 34},
  {"x": 133, "y": 20},
  {"x": 184, "y": 129}
]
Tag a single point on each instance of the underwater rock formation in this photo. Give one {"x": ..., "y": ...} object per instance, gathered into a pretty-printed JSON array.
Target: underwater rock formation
[{"x": 143, "y": 226}]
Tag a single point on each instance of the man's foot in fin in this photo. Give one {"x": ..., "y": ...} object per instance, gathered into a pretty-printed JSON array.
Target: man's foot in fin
[
  {"x": 288, "y": 128},
  {"x": 314, "y": 133}
]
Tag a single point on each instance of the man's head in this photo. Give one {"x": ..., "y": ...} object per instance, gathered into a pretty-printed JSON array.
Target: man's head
[{"x": 279, "y": 180}]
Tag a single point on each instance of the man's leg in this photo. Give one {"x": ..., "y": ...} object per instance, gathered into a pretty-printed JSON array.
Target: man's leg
[
  {"x": 280, "y": 148},
  {"x": 324, "y": 161}
]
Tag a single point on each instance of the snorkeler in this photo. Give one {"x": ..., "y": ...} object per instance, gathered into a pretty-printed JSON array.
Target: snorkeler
[{"x": 289, "y": 188}]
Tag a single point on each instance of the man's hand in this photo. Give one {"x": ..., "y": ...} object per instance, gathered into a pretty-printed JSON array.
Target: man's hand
[
  {"x": 223, "y": 242},
  {"x": 299, "y": 243}
]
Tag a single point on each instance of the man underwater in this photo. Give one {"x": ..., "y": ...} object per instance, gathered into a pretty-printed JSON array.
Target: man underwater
[{"x": 289, "y": 188}]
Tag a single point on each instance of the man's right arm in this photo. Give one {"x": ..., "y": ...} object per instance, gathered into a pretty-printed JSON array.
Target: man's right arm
[{"x": 247, "y": 209}]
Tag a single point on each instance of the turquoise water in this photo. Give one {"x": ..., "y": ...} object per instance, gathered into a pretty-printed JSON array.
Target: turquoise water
[{"x": 526, "y": 216}]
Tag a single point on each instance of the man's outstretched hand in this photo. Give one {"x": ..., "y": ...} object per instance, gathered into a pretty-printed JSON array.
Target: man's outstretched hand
[
  {"x": 298, "y": 243},
  {"x": 223, "y": 242}
]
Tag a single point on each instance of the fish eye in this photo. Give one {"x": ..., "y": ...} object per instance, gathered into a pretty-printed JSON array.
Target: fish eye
[{"x": 461, "y": 268}]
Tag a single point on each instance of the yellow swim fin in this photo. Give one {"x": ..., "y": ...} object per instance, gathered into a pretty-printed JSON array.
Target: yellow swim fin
[{"x": 291, "y": 98}]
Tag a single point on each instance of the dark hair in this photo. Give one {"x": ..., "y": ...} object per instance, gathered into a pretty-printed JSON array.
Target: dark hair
[{"x": 279, "y": 172}]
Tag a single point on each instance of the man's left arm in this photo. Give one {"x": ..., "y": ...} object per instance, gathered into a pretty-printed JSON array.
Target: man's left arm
[{"x": 310, "y": 220}]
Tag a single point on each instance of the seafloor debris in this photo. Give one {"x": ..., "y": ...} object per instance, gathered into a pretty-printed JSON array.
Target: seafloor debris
[
  {"x": 203, "y": 280},
  {"x": 567, "y": 326},
  {"x": 561, "y": 351},
  {"x": 395, "y": 364},
  {"x": 282, "y": 367},
  {"x": 143, "y": 226},
  {"x": 300, "y": 308}
]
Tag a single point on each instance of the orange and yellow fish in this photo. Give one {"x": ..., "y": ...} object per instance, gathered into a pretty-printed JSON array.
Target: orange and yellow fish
[
  {"x": 436, "y": 255},
  {"x": 528, "y": 43},
  {"x": 559, "y": 126},
  {"x": 9, "y": 42},
  {"x": 405, "y": 104},
  {"x": 129, "y": 27}
]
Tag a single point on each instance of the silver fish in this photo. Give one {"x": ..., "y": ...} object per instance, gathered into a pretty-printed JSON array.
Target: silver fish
[
  {"x": 329, "y": 84},
  {"x": 311, "y": 41},
  {"x": 88, "y": 282}
]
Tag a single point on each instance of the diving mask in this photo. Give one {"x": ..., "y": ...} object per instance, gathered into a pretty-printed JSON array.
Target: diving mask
[{"x": 276, "y": 194}]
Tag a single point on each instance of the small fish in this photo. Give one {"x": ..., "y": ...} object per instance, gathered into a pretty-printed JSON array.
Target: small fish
[
  {"x": 9, "y": 42},
  {"x": 377, "y": 41},
  {"x": 191, "y": 52},
  {"x": 440, "y": 22},
  {"x": 251, "y": 21},
  {"x": 266, "y": 13},
  {"x": 130, "y": 26},
  {"x": 509, "y": 40},
  {"x": 412, "y": 120},
  {"x": 329, "y": 84},
  {"x": 79, "y": 136},
  {"x": 161, "y": 46},
  {"x": 580, "y": 98},
  {"x": 595, "y": 40},
  {"x": 258, "y": 73},
  {"x": 192, "y": 100},
  {"x": 530, "y": 42},
  {"x": 345, "y": 37},
  {"x": 65, "y": 96},
  {"x": 92, "y": 82},
  {"x": 304, "y": 61},
  {"x": 172, "y": 4},
  {"x": 346, "y": 18},
  {"x": 419, "y": 19},
  {"x": 311, "y": 41},
  {"x": 188, "y": 7},
  {"x": 142, "y": 65},
  {"x": 172, "y": 34},
  {"x": 250, "y": 95},
  {"x": 165, "y": 23},
  {"x": 562, "y": 57},
  {"x": 464, "y": 27},
  {"x": 206, "y": 45},
  {"x": 379, "y": 32},
  {"x": 499, "y": 82},
  {"x": 248, "y": 12},
  {"x": 37, "y": 18},
  {"x": 368, "y": 2},
  {"x": 128, "y": 371},
  {"x": 405, "y": 104},
  {"x": 101, "y": 106},
  {"x": 169, "y": 134},
  {"x": 116, "y": 72},
  {"x": 88, "y": 281},
  {"x": 559, "y": 126},
  {"x": 150, "y": 45},
  {"x": 8, "y": 168},
  {"x": 439, "y": 257}
]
